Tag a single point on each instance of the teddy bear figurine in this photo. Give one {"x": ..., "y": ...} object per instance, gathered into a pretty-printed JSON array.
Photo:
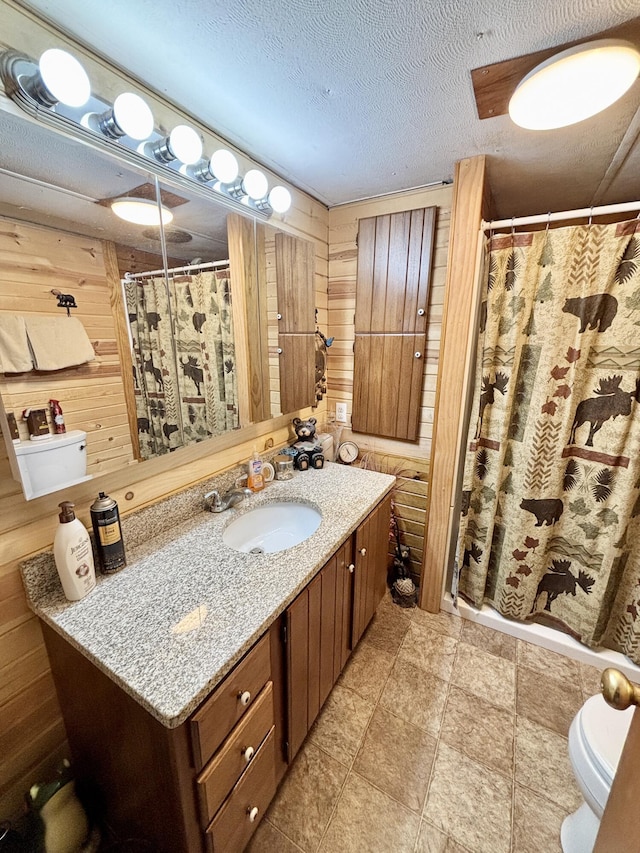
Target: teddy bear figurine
[{"x": 306, "y": 452}]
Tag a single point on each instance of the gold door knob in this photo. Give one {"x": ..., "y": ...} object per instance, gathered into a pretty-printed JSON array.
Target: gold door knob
[{"x": 618, "y": 691}]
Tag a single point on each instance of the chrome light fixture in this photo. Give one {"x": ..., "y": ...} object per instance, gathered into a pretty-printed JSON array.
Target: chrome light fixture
[
  {"x": 141, "y": 211},
  {"x": 129, "y": 116},
  {"x": 575, "y": 84},
  {"x": 59, "y": 78},
  {"x": 53, "y": 90},
  {"x": 183, "y": 144}
]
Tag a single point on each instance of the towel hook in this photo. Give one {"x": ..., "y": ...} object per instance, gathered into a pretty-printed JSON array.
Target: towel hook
[{"x": 65, "y": 300}]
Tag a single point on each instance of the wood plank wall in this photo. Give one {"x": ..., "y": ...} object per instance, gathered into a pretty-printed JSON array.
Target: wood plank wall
[
  {"x": 32, "y": 737},
  {"x": 33, "y": 261},
  {"x": 387, "y": 454}
]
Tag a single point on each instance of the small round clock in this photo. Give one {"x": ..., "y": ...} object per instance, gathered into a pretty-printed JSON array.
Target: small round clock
[{"x": 348, "y": 452}]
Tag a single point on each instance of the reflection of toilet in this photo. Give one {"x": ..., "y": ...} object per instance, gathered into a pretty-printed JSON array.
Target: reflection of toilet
[
  {"x": 46, "y": 466},
  {"x": 596, "y": 739}
]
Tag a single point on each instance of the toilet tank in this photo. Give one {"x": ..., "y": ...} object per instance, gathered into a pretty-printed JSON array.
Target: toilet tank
[{"x": 53, "y": 464}]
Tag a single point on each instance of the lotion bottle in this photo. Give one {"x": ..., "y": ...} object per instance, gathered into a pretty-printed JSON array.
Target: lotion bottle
[
  {"x": 73, "y": 555},
  {"x": 255, "y": 481}
]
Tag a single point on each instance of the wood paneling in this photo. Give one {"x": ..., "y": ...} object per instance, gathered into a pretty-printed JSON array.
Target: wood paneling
[
  {"x": 467, "y": 213},
  {"x": 34, "y": 259}
]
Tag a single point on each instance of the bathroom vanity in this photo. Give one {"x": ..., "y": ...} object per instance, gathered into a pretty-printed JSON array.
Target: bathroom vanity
[{"x": 189, "y": 681}]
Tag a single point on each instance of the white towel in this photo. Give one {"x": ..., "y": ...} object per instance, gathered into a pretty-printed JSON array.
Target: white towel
[
  {"x": 15, "y": 356},
  {"x": 58, "y": 342}
]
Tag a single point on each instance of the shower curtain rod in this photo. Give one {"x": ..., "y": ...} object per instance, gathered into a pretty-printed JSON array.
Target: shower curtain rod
[
  {"x": 187, "y": 268},
  {"x": 560, "y": 215}
]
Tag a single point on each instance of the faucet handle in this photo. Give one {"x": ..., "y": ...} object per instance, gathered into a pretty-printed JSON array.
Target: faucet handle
[{"x": 212, "y": 501}]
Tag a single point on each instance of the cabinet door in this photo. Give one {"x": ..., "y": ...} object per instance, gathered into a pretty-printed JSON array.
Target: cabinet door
[
  {"x": 387, "y": 385},
  {"x": 394, "y": 269},
  {"x": 317, "y": 644},
  {"x": 371, "y": 559},
  {"x": 297, "y": 371},
  {"x": 295, "y": 271}
]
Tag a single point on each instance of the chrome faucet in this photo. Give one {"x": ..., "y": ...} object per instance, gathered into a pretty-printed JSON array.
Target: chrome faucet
[{"x": 214, "y": 503}]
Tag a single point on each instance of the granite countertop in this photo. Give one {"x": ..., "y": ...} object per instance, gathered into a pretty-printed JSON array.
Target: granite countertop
[{"x": 169, "y": 626}]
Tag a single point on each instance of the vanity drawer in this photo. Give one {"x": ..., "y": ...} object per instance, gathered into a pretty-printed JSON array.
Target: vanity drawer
[
  {"x": 232, "y": 827},
  {"x": 229, "y": 702},
  {"x": 229, "y": 763}
]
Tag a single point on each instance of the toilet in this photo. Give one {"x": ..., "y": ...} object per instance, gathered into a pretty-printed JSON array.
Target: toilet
[
  {"x": 53, "y": 464},
  {"x": 596, "y": 739}
]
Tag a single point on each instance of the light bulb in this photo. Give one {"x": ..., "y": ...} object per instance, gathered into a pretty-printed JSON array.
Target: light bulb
[
  {"x": 280, "y": 199},
  {"x": 255, "y": 184},
  {"x": 63, "y": 78},
  {"x": 575, "y": 84},
  {"x": 132, "y": 116},
  {"x": 185, "y": 144},
  {"x": 141, "y": 211},
  {"x": 223, "y": 166}
]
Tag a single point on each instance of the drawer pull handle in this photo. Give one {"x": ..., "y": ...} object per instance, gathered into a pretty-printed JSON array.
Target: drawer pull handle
[
  {"x": 351, "y": 568},
  {"x": 244, "y": 698},
  {"x": 253, "y": 813},
  {"x": 248, "y": 753},
  {"x": 363, "y": 551}
]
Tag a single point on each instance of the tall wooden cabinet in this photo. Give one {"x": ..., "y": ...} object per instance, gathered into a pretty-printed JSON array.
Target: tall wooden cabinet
[
  {"x": 295, "y": 265},
  {"x": 395, "y": 253}
]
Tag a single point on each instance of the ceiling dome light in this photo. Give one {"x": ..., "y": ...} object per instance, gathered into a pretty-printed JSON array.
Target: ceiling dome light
[
  {"x": 60, "y": 79},
  {"x": 183, "y": 144},
  {"x": 129, "y": 116},
  {"x": 255, "y": 184},
  {"x": 141, "y": 211},
  {"x": 280, "y": 199},
  {"x": 575, "y": 84}
]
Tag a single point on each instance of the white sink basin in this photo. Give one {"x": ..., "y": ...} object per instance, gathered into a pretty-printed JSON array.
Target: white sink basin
[{"x": 272, "y": 527}]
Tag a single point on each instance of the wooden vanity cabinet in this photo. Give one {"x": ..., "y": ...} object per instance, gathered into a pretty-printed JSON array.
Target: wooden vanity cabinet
[
  {"x": 327, "y": 619},
  {"x": 205, "y": 785},
  {"x": 317, "y": 643}
]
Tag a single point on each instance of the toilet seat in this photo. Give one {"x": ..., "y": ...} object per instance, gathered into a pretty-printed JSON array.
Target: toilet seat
[{"x": 596, "y": 739}]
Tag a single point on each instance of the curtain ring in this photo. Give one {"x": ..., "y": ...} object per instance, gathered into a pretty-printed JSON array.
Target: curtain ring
[
  {"x": 590, "y": 216},
  {"x": 548, "y": 223},
  {"x": 513, "y": 231}
]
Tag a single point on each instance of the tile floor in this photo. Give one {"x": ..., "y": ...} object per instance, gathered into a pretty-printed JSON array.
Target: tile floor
[{"x": 441, "y": 736}]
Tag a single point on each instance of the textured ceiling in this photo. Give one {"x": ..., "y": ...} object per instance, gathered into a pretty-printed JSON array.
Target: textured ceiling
[{"x": 354, "y": 98}]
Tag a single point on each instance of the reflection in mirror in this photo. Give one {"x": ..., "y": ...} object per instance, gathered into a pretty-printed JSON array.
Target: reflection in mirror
[
  {"x": 183, "y": 377},
  {"x": 58, "y": 231}
]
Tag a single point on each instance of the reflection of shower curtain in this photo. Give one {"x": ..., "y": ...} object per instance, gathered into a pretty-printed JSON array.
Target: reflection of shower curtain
[
  {"x": 551, "y": 493},
  {"x": 189, "y": 396}
]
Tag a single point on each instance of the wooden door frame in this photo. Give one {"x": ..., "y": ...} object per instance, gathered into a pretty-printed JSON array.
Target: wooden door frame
[{"x": 471, "y": 202}]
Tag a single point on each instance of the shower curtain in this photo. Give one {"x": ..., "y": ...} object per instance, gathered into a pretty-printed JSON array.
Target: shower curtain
[
  {"x": 184, "y": 359},
  {"x": 550, "y": 519}
]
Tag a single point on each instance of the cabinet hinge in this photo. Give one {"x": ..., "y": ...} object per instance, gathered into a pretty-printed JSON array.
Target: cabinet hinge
[{"x": 284, "y": 633}]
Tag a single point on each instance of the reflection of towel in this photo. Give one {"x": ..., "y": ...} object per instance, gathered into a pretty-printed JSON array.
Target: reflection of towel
[
  {"x": 58, "y": 342},
  {"x": 15, "y": 356}
]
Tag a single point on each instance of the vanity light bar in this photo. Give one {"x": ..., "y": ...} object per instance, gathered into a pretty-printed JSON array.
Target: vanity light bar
[{"x": 57, "y": 91}]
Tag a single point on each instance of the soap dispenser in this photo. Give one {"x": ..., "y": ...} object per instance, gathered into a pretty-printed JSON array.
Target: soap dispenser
[
  {"x": 255, "y": 480},
  {"x": 73, "y": 555}
]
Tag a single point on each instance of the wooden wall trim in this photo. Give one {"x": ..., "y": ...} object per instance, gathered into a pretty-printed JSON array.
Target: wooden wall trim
[
  {"x": 466, "y": 216},
  {"x": 122, "y": 339}
]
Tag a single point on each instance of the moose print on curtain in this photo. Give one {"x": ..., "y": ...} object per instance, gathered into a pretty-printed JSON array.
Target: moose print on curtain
[
  {"x": 550, "y": 521},
  {"x": 184, "y": 359}
]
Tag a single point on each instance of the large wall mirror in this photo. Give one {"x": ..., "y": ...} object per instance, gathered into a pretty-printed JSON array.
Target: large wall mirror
[{"x": 183, "y": 317}]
